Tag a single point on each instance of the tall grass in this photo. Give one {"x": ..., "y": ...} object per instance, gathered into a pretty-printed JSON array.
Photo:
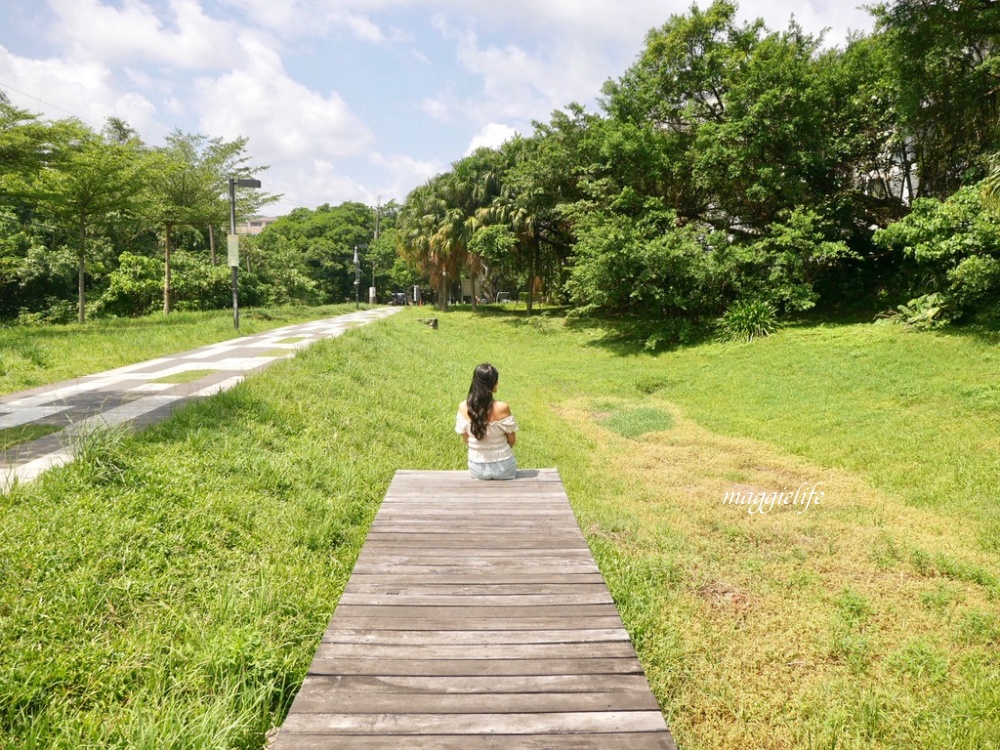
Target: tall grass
[{"x": 168, "y": 589}]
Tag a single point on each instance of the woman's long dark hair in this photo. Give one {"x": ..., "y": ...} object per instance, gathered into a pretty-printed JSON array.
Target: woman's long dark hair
[{"x": 480, "y": 400}]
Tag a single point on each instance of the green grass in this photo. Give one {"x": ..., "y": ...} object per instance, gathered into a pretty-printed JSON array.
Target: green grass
[
  {"x": 11, "y": 436},
  {"x": 168, "y": 589},
  {"x": 31, "y": 356},
  {"x": 187, "y": 376}
]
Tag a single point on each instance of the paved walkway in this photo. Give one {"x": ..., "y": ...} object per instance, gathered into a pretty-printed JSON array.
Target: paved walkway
[
  {"x": 137, "y": 395},
  {"x": 475, "y": 618}
]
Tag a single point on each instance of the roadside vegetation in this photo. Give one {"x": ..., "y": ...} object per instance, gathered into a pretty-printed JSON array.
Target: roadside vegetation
[{"x": 168, "y": 589}]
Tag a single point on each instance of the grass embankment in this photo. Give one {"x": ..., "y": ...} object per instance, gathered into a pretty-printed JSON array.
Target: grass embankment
[
  {"x": 168, "y": 589},
  {"x": 38, "y": 355}
]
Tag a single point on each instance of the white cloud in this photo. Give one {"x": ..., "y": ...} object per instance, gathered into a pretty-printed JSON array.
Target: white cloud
[
  {"x": 441, "y": 108},
  {"x": 59, "y": 89},
  {"x": 92, "y": 30},
  {"x": 403, "y": 173},
  {"x": 283, "y": 119},
  {"x": 491, "y": 136}
]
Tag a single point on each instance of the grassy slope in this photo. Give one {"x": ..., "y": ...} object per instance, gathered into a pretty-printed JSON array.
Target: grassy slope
[
  {"x": 168, "y": 590},
  {"x": 32, "y": 356}
]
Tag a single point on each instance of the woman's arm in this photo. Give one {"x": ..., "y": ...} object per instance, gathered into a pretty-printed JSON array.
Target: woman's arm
[{"x": 501, "y": 410}]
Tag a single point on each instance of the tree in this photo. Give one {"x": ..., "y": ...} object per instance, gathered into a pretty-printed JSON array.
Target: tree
[
  {"x": 944, "y": 73},
  {"x": 94, "y": 183},
  {"x": 189, "y": 188}
]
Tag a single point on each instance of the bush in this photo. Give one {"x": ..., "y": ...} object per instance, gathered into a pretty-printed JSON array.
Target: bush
[
  {"x": 926, "y": 311},
  {"x": 135, "y": 288},
  {"x": 746, "y": 320}
]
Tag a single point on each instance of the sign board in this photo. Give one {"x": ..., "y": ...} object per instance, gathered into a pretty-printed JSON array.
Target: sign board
[{"x": 233, "y": 246}]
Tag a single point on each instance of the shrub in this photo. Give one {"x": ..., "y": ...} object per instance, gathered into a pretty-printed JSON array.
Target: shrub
[
  {"x": 926, "y": 311},
  {"x": 746, "y": 320}
]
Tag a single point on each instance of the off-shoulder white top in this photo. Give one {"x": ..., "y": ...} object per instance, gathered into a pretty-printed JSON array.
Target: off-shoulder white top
[{"x": 493, "y": 447}]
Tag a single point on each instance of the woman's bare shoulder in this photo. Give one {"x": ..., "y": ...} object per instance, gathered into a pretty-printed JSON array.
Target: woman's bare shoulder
[
  {"x": 501, "y": 410},
  {"x": 463, "y": 409}
]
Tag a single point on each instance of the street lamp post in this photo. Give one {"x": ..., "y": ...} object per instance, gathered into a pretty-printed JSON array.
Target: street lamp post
[
  {"x": 357, "y": 279},
  {"x": 233, "y": 241}
]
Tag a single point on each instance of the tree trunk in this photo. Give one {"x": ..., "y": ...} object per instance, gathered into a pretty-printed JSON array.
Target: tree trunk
[
  {"x": 166, "y": 272},
  {"x": 533, "y": 268},
  {"x": 211, "y": 244},
  {"x": 442, "y": 301},
  {"x": 81, "y": 285},
  {"x": 475, "y": 301}
]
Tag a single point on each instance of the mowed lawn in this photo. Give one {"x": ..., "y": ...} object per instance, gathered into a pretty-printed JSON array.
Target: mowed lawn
[{"x": 168, "y": 589}]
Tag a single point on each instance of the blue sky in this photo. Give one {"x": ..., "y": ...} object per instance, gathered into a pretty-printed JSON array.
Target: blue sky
[{"x": 343, "y": 99}]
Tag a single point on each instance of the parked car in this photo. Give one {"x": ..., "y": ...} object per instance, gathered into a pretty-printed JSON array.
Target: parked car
[{"x": 398, "y": 298}]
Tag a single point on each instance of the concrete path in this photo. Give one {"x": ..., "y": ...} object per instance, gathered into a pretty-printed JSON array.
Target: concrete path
[
  {"x": 136, "y": 394},
  {"x": 475, "y": 618}
]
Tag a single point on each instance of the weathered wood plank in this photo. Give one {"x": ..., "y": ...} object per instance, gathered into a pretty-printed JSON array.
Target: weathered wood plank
[
  {"x": 471, "y": 637},
  {"x": 486, "y": 723},
  {"x": 475, "y": 667},
  {"x": 486, "y": 577},
  {"x": 609, "y": 649},
  {"x": 618, "y": 741},
  {"x": 483, "y": 566},
  {"x": 497, "y": 614},
  {"x": 318, "y": 701},
  {"x": 392, "y": 552},
  {"x": 369, "y": 585},
  {"x": 601, "y": 597},
  {"x": 476, "y": 623},
  {"x": 406, "y": 685}
]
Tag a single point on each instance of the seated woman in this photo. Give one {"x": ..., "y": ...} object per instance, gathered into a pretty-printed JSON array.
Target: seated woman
[{"x": 488, "y": 428}]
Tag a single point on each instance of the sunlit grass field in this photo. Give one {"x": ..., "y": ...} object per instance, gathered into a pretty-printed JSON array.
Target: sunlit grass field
[
  {"x": 168, "y": 589},
  {"x": 38, "y": 355}
]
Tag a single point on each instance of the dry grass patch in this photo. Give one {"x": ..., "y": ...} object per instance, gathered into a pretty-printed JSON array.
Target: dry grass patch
[{"x": 842, "y": 624}]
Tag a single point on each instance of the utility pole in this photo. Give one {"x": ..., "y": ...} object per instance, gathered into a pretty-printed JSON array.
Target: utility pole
[
  {"x": 378, "y": 215},
  {"x": 233, "y": 241}
]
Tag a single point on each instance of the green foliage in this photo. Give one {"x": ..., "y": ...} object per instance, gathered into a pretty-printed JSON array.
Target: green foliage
[
  {"x": 135, "y": 288},
  {"x": 925, "y": 311},
  {"x": 650, "y": 266},
  {"x": 308, "y": 255},
  {"x": 746, "y": 320},
  {"x": 942, "y": 68},
  {"x": 954, "y": 246}
]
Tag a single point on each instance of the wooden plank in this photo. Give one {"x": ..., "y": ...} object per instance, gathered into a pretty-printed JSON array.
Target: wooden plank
[
  {"x": 392, "y": 552},
  {"x": 601, "y": 597},
  {"x": 576, "y": 741},
  {"x": 371, "y": 585},
  {"x": 406, "y": 685},
  {"x": 476, "y": 623},
  {"x": 484, "y": 566},
  {"x": 317, "y": 701},
  {"x": 488, "y": 577},
  {"x": 498, "y": 652},
  {"x": 471, "y": 637},
  {"x": 475, "y": 667},
  {"x": 497, "y": 614},
  {"x": 486, "y": 723}
]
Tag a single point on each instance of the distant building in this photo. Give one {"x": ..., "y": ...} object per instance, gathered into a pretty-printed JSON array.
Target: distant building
[{"x": 255, "y": 225}]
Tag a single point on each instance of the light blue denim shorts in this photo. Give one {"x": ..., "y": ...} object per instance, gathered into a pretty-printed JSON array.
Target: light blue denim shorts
[{"x": 506, "y": 469}]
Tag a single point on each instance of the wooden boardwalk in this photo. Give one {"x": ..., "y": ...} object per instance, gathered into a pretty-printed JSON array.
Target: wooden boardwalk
[{"x": 475, "y": 618}]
